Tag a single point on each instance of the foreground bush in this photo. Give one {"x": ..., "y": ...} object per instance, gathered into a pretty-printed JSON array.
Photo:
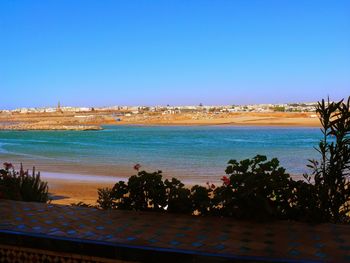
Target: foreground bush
[
  {"x": 256, "y": 188},
  {"x": 146, "y": 192},
  {"x": 21, "y": 186}
]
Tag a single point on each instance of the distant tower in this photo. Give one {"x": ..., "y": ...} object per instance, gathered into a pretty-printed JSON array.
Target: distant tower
[{"x": 58, "y": 106}]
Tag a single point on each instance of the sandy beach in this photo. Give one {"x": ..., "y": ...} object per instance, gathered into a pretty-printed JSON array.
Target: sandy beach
[
  {"x": 94, "y": 120},
  {"x": 285, "y": 119},
  {"x": 73, "y": 188}
]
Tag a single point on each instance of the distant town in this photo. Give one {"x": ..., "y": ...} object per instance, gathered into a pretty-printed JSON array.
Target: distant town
[
  {"x": 288, "y": 107},
  {"x": 93, "y": 118}
]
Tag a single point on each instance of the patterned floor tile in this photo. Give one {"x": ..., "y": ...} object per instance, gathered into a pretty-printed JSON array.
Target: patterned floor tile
[{"x": 276, "y": 240}]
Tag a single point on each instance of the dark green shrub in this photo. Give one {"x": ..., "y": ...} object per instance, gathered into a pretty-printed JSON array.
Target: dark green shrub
[
  {"x": 21, "y": 186},
  {"x": 256, "y": 189},
  {"x": 144, "y": 191},
  {"x": 200, "y": 199},
  {"x": 120, "y": 196},
  {"x": 147, "y": 191},
  {"x": 105, "y": 198},
  {"x": 304, "y": 203},
  {"x": 178, "y": 197}
]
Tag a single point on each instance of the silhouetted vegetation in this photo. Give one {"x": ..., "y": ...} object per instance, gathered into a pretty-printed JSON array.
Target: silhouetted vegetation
[
  {"x": 328, "y": 184},
  {"x": 257, "y": 188},
  {"x": 21, "y": 186}
]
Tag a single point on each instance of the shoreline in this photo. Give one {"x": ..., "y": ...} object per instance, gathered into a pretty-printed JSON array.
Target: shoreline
[
  {"x": 238, "y": 125},
  {"x": 51, "y": 128},
  {"x": 141, "y": 124}
]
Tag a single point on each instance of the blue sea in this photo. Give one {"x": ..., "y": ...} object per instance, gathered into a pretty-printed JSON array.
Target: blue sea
[{"x": 196, "y": 151}]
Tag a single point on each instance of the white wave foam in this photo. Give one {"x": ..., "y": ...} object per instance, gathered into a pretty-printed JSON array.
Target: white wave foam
[
  {"x": 2, "y": 150},
  {"x": 80, "y": 177}
]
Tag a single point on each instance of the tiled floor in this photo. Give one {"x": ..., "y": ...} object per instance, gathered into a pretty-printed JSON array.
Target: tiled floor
[{"x": 220, "y": 236}]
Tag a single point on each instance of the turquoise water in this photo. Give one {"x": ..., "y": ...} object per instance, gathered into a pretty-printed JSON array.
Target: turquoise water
[{"x": 189, "y": 150}]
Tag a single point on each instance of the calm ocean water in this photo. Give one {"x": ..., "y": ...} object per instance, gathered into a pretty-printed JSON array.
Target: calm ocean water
[{"x": 198, "y": 151}]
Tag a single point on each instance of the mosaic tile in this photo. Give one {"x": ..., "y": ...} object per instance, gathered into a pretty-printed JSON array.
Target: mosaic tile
[
  {"x": 201, "y": 237},
  {"x": 197, "y": 244},
  {"x": 294, "y": 244},
  {"x": 319, "y": 245},
  {"x": 244, "y": 249},
  {"x": 223, "y": 237},
  {"x": 152, "y": 240},
  {"x": 174, "y": 243},
  {"x": 347, "y": 258},
  {"x": 71, "y": 232},
  {"x": 281, "y": 239},
  {"x": 294, "y": 252},
  {"x": 269, "y": 250},
  {"x": 339, "y": 240},
  {"x": 185, "y": 228},
  {"x": 219, "y": 247},
  {"x": 321, "y": 254},
  {"x": 131, "y": 238},
  {"x": 347, "y": 248},
  {"x": 316, "y": 237}
]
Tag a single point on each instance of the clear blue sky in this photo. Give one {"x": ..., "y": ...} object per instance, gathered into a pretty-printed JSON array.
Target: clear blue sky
[{"x": 101, "y": 52}]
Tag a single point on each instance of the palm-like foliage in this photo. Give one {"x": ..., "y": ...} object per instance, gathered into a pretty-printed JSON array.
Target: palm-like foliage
[
  {"x": 22, "y": 186},
  {"x": 331, "y": 174}
]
